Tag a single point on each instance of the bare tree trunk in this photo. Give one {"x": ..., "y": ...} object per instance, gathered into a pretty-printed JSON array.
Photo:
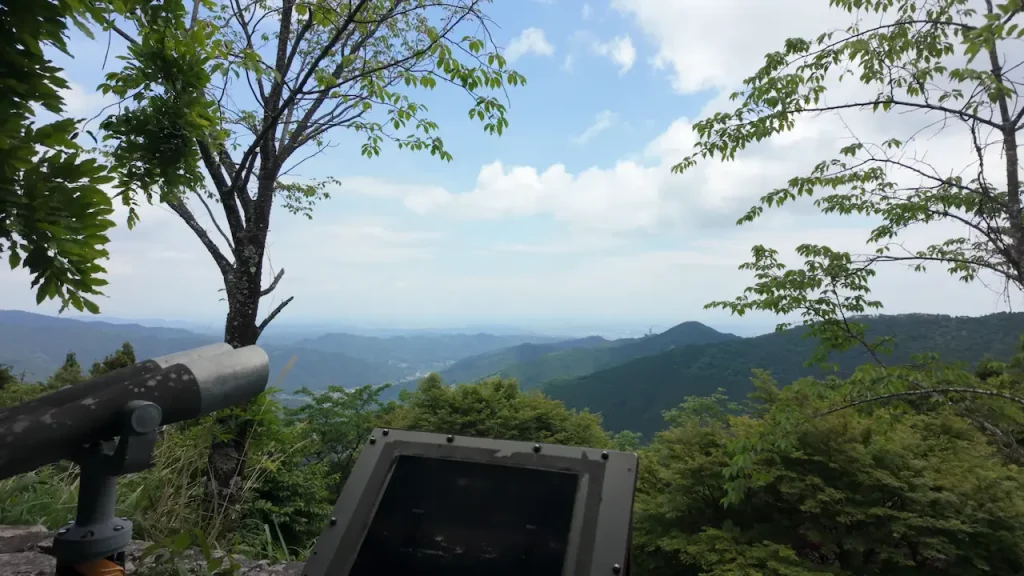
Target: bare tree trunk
[
  {"x": 243, "y": 295},
  {"x": 227, "y": 458}
]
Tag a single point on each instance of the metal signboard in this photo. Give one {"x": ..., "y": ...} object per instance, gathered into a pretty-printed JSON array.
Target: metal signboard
[{"x": 420, "y": 504}]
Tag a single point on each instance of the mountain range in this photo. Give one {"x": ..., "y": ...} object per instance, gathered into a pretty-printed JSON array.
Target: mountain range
[
  {"x": 630, "y": 381},
  {"x": 35, "y": 345},
  {"x": 633, "y": 395}
]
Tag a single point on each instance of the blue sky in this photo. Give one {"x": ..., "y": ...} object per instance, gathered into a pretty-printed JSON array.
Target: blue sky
[{"x": 570, "y": 219}]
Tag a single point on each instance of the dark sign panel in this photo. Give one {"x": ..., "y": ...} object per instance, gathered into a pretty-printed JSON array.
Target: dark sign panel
[{"x": 422, "y": 504}]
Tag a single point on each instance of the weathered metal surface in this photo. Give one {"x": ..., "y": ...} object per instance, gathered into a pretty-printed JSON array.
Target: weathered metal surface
[{"x": 51, "y": 428}]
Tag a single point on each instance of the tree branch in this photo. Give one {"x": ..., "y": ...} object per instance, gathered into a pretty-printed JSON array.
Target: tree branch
[
  {"x": 273, "y": 283},
  {"x": 247, "y": 34},
  {"x": 300, "y": 128},
  {"x": 273, "y": 314},
  {"x": 121, "y": 33},
  {"x": 213, "y": 168},
  {"x": 927, "y": 391},
  {"x": 214, "y": 220},
  {"x": 270, "y": 120},
  {"x": 224, "y": 190},
  {"x": 185, "y": 214},
  {"x": 322, "y": 93},
  {"x": 907, "y": 104},
  {"x": 195, "y": 13}
]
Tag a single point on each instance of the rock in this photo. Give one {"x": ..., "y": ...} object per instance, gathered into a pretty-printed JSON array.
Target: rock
[
  {"x": 27, "y": 564},
  {"x": 22, "y": 538},
  {"x": 24, "y": 552}
]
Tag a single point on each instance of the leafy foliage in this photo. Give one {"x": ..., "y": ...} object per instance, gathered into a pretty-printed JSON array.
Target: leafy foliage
[
  {"x": 163, "y": 83},
  {"x": 69, "y": 373},
  {"x": 339, "y": 420},
  {"x": 54, "y": 212},
  {"x": 174, "y": 555},
  {"x": 493, "y": 408},
  {"x": 122, "y": 358},
  {"x": 291, "y": 490},
  {"x": 876, "y": 490}
]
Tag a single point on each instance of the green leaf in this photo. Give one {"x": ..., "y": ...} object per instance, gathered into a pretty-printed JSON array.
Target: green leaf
[{"x": 90, "y": 306}]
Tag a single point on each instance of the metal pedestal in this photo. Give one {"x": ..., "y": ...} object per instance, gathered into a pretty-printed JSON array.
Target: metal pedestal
[{"x": 94, "y": 543}]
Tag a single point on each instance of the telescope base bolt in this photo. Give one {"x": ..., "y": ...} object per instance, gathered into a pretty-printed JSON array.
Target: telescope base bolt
[{"x": 95, "y": 542}]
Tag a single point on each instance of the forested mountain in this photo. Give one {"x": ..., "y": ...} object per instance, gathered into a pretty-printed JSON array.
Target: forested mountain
[
  {"x": 492, "y": 363},
  {"x": 632, "y": 395},
  {"x": 35, "y": 345},
  {"x": 533, "y": 366}
]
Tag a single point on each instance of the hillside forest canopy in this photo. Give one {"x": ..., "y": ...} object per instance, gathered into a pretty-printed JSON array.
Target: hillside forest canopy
[{"x": 851, "y": 443}]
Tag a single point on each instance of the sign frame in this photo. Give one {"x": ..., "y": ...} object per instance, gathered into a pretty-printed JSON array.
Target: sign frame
[{"x": 601, "y": 532}]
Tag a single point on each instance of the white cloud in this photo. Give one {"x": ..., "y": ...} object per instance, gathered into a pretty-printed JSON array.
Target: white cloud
[
  {"x": 79, "y": 102},
  {"x": 82, "y": 102},
  {"x": 529, "y": 41},
  {"x": 568, "y": 63},
  {"x": 585, "y": 12},
  {"x": 642, "y": 195},
  {"x": 572, "y": 243},
  {"x": 604, "y": 120},
  {"x": 700, "y": 52},
  {"x": 619, "y": 50},
  {"x": 358, "y": 241}
]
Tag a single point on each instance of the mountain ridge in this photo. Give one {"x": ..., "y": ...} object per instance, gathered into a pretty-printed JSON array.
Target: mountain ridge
[
  {"x": 586, "y": 356},
  {"x": 632, "y": 395}
]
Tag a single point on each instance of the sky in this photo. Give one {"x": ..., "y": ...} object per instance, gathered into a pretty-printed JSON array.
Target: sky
[{"x": 573, "y": 216}]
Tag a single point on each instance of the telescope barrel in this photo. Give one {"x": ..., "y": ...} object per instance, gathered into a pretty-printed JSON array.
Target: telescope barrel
[
  {"x": 196, "y": 384},
  {"x": 81, "y": 390}
]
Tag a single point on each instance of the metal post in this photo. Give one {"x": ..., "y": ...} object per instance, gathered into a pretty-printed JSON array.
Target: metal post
[{"x": 94, "y": 543}]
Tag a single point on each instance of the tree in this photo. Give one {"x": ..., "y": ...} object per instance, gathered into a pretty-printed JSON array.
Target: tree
[
  {"x": 70, "y": 372},
  {"x": 493, "y": 408},
  {"x": 305, "y": 68},
  {"x": 123, "y": 357},
  {"x": 53, "y": 210},
  {"x": 869, "y": 490},
  {"x": 339, "y": 420},
  {"x": 940, "y": 58}
]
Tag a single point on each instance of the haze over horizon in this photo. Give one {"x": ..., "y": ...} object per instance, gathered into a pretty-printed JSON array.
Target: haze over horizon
[
  {"x": 571, "y": 219},
  {"x": 370, "y": 327}
]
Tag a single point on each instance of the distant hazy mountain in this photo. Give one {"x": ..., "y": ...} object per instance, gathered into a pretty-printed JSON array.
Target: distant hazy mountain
[
  {"x": 433, "y": 351},
  {"x": 302, "y": 330},
  {"x": 633, "y": 395},
  {"x": 535, "y": 365},
  {"x": 36, "y": 345},
  {"x": 198, "y": 326}
]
